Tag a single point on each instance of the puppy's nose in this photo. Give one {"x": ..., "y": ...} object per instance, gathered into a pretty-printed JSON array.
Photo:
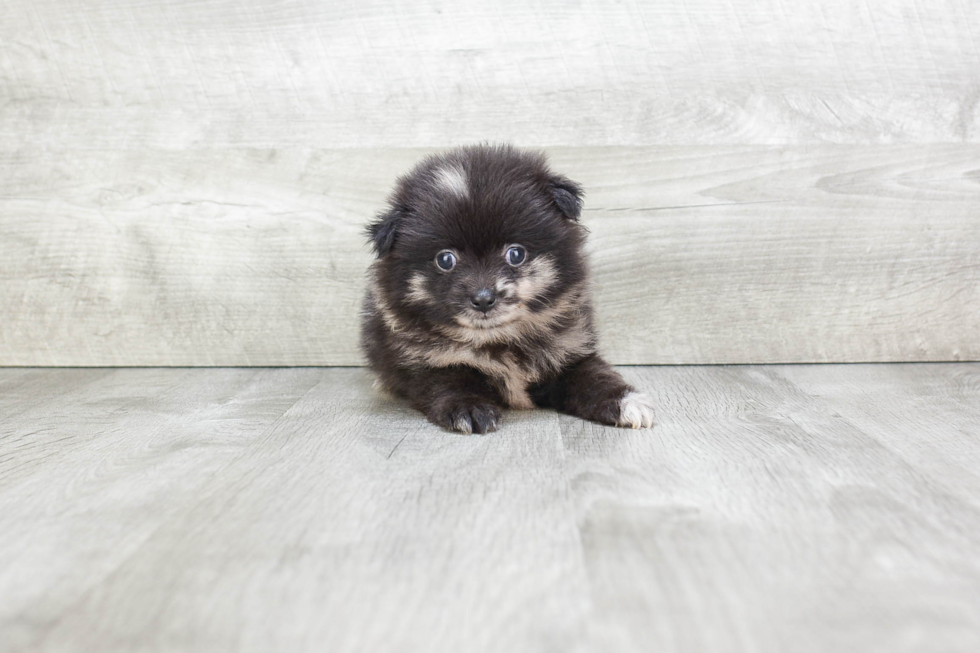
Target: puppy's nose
[{"x": 483, "y": 300}]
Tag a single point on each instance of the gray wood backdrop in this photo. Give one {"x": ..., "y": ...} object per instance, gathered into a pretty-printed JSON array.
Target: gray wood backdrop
[{"x": 184, "y": 183}]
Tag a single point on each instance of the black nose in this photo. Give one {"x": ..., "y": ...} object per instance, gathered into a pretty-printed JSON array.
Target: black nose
[{"x": 483, "y": 300}]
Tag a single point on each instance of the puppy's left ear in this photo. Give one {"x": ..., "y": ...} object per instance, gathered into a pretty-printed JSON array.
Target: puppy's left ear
[
  {"x": 567, "y": 196},
  {"x": 383, "y": 232}
]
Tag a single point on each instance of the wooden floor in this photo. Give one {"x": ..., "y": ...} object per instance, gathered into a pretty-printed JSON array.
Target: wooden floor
[{"x": 797, "y": 508}]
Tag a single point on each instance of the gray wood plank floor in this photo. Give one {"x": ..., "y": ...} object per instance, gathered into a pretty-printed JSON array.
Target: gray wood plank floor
[{"x": 802, "y": 508}]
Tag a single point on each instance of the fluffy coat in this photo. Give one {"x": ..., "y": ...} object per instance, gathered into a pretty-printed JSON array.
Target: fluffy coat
[{"x": 510, "y": 322}]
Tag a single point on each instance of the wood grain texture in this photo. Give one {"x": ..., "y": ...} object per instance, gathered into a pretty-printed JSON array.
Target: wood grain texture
[
  {"x": 786, "y": 518},
  {"x": 183, "y": 183},
  {"x": 811, "y": 508},
  {"x": 393, "y": 533},
  {"x": 130, "y": 74},
  {"x": 735, "y": 254}
]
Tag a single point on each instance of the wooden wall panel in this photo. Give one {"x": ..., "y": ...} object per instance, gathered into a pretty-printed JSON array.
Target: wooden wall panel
[
  {"x": 158, "y": 74},
  {"x": 701, "y": 255},
  {"x": 183, "y": 183}
]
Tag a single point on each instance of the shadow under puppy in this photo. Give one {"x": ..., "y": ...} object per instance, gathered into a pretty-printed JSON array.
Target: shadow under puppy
[{"x": 479, "y": 298}]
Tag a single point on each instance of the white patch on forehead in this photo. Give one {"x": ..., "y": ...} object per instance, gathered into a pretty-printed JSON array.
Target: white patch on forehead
[{"x": 452, "y": 180}]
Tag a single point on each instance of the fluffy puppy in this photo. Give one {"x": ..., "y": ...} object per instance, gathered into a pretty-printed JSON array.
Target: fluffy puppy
[{"x": 479, "y": 297}]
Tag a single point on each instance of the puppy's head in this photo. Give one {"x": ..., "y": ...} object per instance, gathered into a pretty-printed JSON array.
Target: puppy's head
[{"x": 482, "y": 240}]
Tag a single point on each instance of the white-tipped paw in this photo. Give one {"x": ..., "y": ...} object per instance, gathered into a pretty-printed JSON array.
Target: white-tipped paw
[{"x": 635, "y": 411}]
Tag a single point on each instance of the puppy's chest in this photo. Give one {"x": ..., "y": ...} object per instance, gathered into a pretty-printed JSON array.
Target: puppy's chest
[
  {"x": 511, "y": 370},
  {"x": 514, "y": 368},
  {"x": 512, "y": 364}
]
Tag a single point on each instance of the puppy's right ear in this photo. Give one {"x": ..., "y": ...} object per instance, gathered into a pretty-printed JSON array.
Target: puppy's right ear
[{"x": 383, "y": 232}]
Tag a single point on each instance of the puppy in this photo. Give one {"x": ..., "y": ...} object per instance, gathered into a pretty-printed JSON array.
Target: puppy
[{"x": 479, "y": 296}]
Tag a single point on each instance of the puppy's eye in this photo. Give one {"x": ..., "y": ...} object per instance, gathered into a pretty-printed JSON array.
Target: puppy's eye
[
  {"x": 445, "y": 260},
  {"x": 516, "y": 255}
]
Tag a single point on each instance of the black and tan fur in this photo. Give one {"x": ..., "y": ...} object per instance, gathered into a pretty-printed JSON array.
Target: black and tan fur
[{"x": 424, "y": 330}]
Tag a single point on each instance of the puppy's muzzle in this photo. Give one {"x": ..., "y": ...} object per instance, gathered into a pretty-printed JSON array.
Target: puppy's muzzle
[{"x": 483, "y": 300}]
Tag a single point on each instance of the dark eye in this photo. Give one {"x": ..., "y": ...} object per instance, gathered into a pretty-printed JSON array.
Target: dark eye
[
  {"x": 445, "y": 260},
  {"x": 516, "y": 255}
]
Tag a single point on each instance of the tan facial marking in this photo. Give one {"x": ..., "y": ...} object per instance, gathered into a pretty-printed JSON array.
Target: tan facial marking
[
  {"x": 513, "y": 324},
  {"x": 417, "y": 292},
  {"x": 504, "y": 288},
  {"x": 387, "y": 315},
  {"x": 516, "y": 322},
  {"x": 537, "y": 277}
]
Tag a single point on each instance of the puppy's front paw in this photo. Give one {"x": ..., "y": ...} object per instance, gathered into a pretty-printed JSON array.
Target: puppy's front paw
[
  {"x": 470, "y": 418},
  {"x": 635, "y": 410}
]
